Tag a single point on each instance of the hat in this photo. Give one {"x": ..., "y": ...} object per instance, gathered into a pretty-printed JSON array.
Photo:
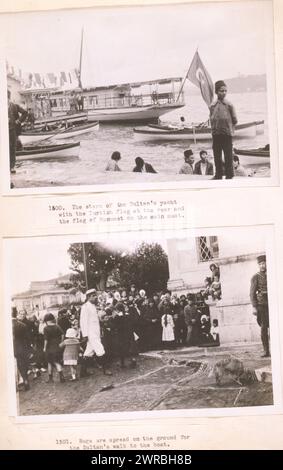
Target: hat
[
  {"x": 71, "y": 333},
  {"x": 48, "y": 317},
  {"x": 62, "y": 310},
  {"x": 90, "y": 291},
  {"x": 219, "y": 84},
  {"x": 120, "y": 307},
  {"x": 261, "y": 259},
  {"x": 188, "y": 153}
]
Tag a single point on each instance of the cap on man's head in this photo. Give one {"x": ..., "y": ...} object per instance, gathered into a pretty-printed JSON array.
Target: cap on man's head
[
  {"x": 90, "y": 291},
  {"x": 261, "y": 259},
  {"x": 188, "y": 153},
  {"x": 219, "y": 84}
]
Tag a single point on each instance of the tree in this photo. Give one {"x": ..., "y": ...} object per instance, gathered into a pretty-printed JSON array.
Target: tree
[
  {"x": 147, "y": 268},
  {"x": 100, "y": 261}
]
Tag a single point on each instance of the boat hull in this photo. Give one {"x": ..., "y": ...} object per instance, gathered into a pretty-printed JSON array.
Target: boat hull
[
  {"x": 28, "y": 137},
  {"x": 253, "y": 156},
  {"x": 71, "y": 118},
  {"x": 160, "y": 133},
  {"x": 48, "y": 152},
  {"x": 132, "y": 114}
]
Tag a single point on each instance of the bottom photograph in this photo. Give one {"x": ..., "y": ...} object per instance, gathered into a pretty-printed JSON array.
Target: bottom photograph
[{"x": 141, "y": 321}]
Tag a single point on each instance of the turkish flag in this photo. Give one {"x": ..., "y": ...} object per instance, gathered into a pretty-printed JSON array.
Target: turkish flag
[{"x": 200, "y": 77}]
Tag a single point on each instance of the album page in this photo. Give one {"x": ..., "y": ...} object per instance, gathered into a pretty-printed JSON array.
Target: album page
[{"x": 141, "y": 225}]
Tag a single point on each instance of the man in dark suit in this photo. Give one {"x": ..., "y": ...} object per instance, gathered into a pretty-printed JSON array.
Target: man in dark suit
[
  {"x": 143, "y": 167},
  {"x": 203, "y": 166},
  {"x": 16, "y": 115}
]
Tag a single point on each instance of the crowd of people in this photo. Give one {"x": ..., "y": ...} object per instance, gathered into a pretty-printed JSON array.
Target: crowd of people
[
  {"x": 203, "y": 166},
  {"x": 111, "y": 325}
]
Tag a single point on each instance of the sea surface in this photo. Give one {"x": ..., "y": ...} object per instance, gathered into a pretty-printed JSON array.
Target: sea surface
[{"x": 166, "y": 157}]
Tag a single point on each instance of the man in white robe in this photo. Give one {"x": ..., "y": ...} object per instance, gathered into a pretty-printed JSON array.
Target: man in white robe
[{"x": 90, "y": 330}]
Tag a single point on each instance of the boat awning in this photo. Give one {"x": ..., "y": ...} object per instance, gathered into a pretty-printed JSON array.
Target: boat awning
[{"x": 160, "y": 81}]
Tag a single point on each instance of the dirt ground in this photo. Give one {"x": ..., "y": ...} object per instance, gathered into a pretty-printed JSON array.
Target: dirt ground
[{"x": 181, "y": 379}]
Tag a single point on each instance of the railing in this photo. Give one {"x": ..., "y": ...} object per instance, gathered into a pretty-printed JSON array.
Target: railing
[{"x": 108, "y": 102}]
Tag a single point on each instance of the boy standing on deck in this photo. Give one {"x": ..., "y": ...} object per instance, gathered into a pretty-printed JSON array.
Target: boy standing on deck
[{"x": 223, "y": 120}]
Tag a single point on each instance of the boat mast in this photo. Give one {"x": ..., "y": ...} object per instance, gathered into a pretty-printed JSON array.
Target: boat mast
[
  {"x": 81, "y": 57},
  {"x": 181, "y": 87}
]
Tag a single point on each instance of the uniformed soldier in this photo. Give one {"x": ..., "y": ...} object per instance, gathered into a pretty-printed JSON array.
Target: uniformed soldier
[{"x": 259, "y": 300}]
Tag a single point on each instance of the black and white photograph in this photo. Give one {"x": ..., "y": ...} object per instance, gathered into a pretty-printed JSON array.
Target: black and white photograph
[
  {"x": 139, "y": 97},
  {"x": 177, "y": 322}
]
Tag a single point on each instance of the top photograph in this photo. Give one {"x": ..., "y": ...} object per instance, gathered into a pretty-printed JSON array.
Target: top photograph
[{"x": 157, "y": 97}]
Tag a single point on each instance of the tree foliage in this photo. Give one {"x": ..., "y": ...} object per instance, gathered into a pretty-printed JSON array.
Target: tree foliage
[
  {"x": 146, "y": 267},
  {"x": 100, "y": 262}
]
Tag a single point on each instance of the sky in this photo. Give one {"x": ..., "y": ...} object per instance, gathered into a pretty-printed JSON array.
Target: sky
[
  {"x": 140, "y": 43},
  {"x": 40, "y": 259}
]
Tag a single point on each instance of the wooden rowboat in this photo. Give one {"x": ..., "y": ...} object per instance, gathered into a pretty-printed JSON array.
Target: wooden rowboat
[
  {"x": 259, "y": 152},
  {"x": 48, "y": 151},
  {"x": 70, "y": 118},
  {"x": 254, "y": 156},
  {"x": 160, "y": 133},
  {"x": 35, "y": 136}
]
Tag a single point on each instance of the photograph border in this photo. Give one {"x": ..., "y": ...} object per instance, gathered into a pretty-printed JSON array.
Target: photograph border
[
  {"x": 272, "y": 116},
  {"x": 276, "y": 408}
]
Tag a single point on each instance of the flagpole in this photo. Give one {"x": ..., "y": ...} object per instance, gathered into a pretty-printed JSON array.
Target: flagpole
[
  {"x": 183, "y": 84},
  {"x": 81, "y": 56},
  {"x": 85, "y": 265}
]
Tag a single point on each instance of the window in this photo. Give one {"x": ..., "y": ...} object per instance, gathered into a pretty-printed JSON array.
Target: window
[
  {"x": 207, "y": 248},
  {"x": 65, "y": 299},
  {"x": 93, "y": 100},
  {"x": 53, "y": 300}
]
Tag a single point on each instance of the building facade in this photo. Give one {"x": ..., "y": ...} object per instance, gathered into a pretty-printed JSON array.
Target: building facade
[
  {"x": 235, "y": 254},
  {"x": 52, "y": 294}
]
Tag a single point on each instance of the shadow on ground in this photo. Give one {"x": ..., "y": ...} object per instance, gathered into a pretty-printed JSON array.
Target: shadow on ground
[{"x": 181, "y": 379}]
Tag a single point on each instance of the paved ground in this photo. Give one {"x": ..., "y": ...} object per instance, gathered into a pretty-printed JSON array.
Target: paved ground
[{"x": 179, "y": 379}]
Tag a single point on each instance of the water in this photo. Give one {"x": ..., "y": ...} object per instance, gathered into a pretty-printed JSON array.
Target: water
[{"x": 166, "y": 157}]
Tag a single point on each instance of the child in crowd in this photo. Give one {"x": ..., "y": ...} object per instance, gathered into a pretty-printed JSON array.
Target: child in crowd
[
  {"x": 168, "y": 336},
  {"x": 207, "y": 284},
  {"x": 204, "y": 329},
  {"x": 71, "y": 345},
  {"x": 76, "y": 326},
  {"x": 53, "y": 336},
  {"x": 215, "y": 289},
  {"x": 214, "y": 332}
]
